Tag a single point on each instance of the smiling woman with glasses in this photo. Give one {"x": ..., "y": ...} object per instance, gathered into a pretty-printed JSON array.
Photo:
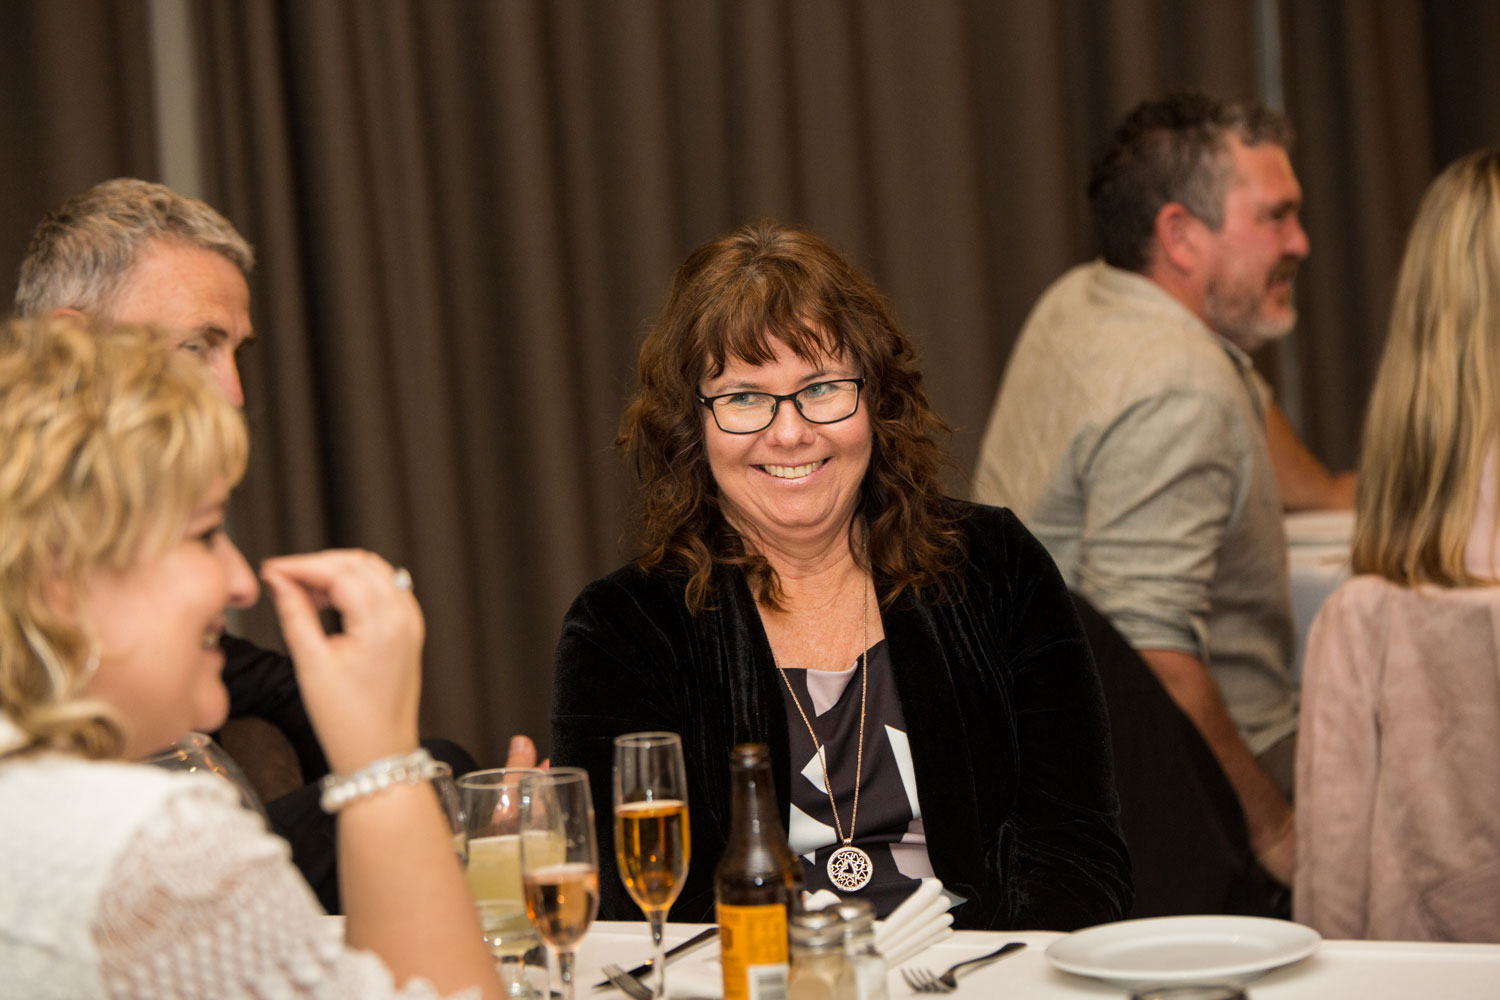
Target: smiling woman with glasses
[{"x": 914, "y": 662}]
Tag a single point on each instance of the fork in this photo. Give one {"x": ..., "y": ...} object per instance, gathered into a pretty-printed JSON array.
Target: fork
[
  {"x": 922, "y": 981},
  {"x": 625, "y": 982}
]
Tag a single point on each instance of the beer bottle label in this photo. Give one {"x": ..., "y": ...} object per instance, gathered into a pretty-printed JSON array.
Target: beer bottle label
[{"x": 753, "y": 951}]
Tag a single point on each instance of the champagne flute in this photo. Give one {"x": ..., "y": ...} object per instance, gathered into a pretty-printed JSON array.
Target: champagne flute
[
  {"x": 490, "y": 802},
  {"x": 197, "y": 753},
  {"x": 652, "y": 841},
  {"x": 559, "y": 861}
]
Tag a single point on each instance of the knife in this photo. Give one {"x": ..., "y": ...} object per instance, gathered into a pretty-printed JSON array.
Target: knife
[{"x": 692, "y": 944}]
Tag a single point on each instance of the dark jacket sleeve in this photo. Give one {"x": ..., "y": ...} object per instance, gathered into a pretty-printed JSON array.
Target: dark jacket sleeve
[
  {"x": 614, "y": 674},
  {"x": 1062, "y": 859}
]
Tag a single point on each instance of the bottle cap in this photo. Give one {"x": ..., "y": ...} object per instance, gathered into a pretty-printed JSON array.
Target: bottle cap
[{"x": 749, "y": 755}]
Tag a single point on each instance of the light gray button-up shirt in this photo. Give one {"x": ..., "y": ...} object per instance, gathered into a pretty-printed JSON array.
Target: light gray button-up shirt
[{"x": 1131, "y": 440}]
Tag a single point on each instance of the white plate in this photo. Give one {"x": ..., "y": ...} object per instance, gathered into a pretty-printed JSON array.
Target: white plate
[{"x": 1180, "y": 949}]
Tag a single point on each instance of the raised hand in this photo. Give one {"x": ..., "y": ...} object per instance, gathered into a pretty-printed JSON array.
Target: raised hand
[{"x": 361, "y": 685}]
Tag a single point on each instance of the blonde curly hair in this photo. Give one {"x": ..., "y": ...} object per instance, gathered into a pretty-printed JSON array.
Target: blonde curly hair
[{"x": 110, "y": 441}]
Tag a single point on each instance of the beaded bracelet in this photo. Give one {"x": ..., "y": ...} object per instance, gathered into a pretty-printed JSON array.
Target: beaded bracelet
[{"x": 401, "y": 769}]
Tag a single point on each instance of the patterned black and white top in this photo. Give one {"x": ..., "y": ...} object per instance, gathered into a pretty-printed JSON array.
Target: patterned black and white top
[{"x": 890, "y": 819}]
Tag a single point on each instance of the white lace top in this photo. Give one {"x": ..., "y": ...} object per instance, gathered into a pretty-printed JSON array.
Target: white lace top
[{"x": 123, "y": 880}]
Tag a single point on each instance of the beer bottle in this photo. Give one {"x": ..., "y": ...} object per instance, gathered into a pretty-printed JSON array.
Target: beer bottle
[{"x": 757, "y": 882}]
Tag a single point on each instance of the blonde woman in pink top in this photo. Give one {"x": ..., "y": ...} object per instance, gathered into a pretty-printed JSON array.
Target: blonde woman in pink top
[{"x": 1398, "y": 772}]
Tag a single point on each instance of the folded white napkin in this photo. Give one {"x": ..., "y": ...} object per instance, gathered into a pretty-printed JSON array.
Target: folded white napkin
[
  {"x": 920, "y": 922},
  {"x": 916, "y": 925}
]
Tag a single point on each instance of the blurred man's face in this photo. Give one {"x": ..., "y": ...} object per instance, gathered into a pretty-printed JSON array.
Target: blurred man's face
[
  {"x": 1255, "y": 255},
  {"x": 198, "y": 298}
]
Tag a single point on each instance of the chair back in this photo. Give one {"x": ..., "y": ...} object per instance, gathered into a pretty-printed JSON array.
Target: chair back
[{"x": 1189, "y": 849}]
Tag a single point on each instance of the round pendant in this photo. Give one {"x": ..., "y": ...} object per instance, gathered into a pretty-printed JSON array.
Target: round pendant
[{"x": 850, "y": 868}]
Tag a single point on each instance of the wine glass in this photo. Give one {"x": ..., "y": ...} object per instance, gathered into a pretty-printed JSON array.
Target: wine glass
[
  {"x": 197, "y": 753},
  {"x": 652, "y": 842},
  {"x": 559, "y": 861},
  {"x": 452, "y": 806},
  {"x": 491, "y": 805}
]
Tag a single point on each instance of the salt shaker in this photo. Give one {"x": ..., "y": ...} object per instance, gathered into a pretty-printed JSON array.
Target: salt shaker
[
  {"x": 820, "y": 967},
  {"x": 859, "y": 945}
]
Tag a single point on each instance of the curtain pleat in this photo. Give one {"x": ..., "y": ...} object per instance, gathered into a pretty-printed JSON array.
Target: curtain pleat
[
  {"x": 1364, "y": 155},
  {"x": 77, "y": 107}
]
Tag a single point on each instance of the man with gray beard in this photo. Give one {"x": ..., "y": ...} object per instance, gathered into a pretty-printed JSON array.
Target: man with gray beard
[{"x": 1134, "y": 438}]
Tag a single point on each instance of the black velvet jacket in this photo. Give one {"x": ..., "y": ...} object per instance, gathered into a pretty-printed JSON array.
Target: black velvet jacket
[{"x": 1009, "y": 736}]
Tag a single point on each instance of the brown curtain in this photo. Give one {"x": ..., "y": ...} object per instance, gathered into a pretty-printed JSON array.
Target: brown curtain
[
  {"x": 1357, "y": 88},
  {"x": 75, "y": 76},
  {"x": 467, "y": 212}
]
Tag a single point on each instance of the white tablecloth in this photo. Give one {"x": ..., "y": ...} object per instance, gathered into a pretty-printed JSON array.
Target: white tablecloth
[
  {"x": 1366, "y": 970},
  {"x": 1317, "y": 562}
]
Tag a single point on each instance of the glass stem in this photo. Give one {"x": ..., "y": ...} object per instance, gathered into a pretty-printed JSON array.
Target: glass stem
[
  {"x": 565, "y": 972},
  {"x": 658, "y": 921}
]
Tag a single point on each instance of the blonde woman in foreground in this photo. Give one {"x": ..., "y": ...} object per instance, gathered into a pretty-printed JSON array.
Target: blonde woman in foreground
[
  {"x": 1398, "y": 772},
  {"x": 123, "y": 880}
]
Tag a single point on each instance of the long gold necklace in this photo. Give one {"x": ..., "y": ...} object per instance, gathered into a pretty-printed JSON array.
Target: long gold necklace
[{"x": 849, "y": 867}]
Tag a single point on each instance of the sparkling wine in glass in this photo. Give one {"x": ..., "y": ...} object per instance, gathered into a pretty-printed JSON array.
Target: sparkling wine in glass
[
  {"x": 559, "y": 861},
  {"x": 491, "y": 806},
  {"x": 652, "y": 842}
]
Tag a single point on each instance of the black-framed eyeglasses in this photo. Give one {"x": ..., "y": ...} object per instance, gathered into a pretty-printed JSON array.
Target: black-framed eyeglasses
[{"x": 819, "y": 403}]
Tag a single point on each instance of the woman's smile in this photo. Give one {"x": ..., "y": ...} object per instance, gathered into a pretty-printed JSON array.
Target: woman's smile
[{"x": 793, "y": 471}]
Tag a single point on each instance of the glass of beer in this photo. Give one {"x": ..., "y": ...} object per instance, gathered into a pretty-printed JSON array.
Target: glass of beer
[
  {"x": 559, "y": 861},
  {"x": 490, "y": 804},
  {"x": 652, "y": 842}
]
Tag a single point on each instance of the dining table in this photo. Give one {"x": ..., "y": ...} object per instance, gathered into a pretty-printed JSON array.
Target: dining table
[
  {"x": 1367, "y": 970},
  {"x": 1317, "y": 563}
]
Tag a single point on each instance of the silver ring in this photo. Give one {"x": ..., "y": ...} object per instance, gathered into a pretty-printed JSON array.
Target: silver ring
[{"x": 403, "y": 579}]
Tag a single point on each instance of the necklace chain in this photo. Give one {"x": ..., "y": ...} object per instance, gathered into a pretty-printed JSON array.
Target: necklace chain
[{"x": 864, "y": 687}]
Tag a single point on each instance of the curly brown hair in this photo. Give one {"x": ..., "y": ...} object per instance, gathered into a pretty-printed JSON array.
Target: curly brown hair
[{"x": 729, "y": 300}]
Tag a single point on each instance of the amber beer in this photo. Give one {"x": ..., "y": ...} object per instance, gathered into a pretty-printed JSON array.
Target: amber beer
[{"x": 757, "y": 882}]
